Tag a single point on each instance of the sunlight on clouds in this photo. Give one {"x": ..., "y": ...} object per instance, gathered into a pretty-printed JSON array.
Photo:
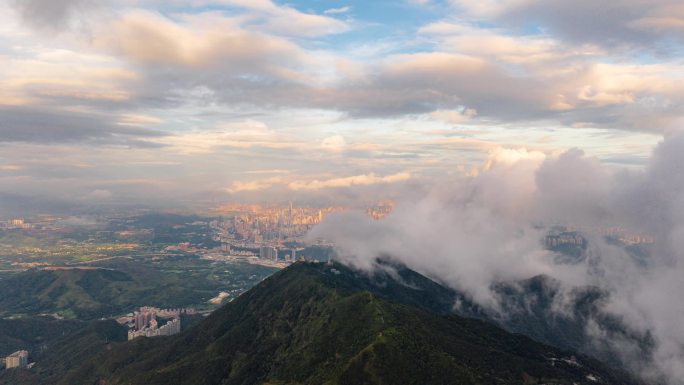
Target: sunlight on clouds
[
  {"x": 169, "y": 87},
  {"x": 148, "y": 37},
  {"x": 245, "y": 134},
  {"x": 254, "y": 185},
  {"x": 358, "y": 180},
  {"x": 454, "y": 117},
  {"x": 335, "y": 143},
  {"x": 139, "y": 119}
]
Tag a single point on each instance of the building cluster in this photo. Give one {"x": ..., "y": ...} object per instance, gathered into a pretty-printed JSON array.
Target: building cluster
[
  {"x": 554, "y": 239},
  {"x": 146, "y": 324},
  {"x": 635, "y": 239},
  {"x": 622, "y": 235},
  {"x": 271, "y": 253},
  {"x": 253, "y": 225},
  {"x": 268, "y": 252},
  {"x": 381, "y": 210},
  {"x": 15, "y": 223},
  {"x": 17, "y": 360}
]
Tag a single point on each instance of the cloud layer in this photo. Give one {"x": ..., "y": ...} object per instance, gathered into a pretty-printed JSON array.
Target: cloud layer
[{"x": 199, "y": 94}]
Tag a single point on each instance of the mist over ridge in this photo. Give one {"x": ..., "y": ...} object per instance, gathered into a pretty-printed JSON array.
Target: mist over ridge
[{"x": 489, "y": 228}]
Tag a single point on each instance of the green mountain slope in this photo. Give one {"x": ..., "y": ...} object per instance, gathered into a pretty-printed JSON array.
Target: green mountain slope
[
  {"x": 118, "y": 286},
  {"x": 315, "y": 324},
  {"x": 67, "y": 352},
  {"x": 33, "y": 333}
]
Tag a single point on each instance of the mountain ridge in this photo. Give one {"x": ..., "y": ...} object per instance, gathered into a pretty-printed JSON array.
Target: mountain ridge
[{"x": 314, "y": 324}]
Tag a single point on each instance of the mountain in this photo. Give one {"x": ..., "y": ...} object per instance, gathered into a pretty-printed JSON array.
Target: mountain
[
  {"x": 537, "y": 307},
  {"x": 326, "y": 324},
  {"x": 33, "y": 333},
  {"x": 572, "y": 319},
  {"x": 67, "y": 352}
]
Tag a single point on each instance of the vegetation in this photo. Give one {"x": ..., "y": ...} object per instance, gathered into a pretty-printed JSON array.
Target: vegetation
[
  {"x": 321, "y": 324},
  {"x": 118, "y": 286},
  {"x": 33, "y": 333},
  {"x": 68, "y": 352}
]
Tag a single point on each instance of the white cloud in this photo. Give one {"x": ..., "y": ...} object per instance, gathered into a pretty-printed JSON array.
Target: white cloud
[
  {"x": 335, "y": 143},
  {"x": 255, "y": 185},
  {"x": 487, "y": 229},
  {"x": 454, "y": 117},
  {"x": 336, "y": 11},
  {"x": 244, "y": 134},
  {"x": 99, "y": 194},
  {"x": 357, "y": 180}
]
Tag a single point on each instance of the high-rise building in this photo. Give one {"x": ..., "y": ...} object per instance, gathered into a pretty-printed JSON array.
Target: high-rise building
[
  {"x": 154, "y": 330},
  {"x": 17, "y": 360},
  {"x": 143, "y": 318},
  {"x": 268, "y": 252}
]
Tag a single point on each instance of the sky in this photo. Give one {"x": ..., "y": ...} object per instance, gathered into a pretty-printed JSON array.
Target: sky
[{"x": 170, "y": 102}]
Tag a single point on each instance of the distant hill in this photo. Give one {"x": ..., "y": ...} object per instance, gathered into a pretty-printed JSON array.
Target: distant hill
[
  {"x": 85, "y": 294},
  {"x": 320, "y": 324}
]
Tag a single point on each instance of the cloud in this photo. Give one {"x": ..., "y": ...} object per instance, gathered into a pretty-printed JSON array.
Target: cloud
[
  {"x": 357, "y": 180},
  {"x": 285, "y": 20},
  {"x": 280, "y": 183},
  {"x": 139, "y": 119},
  {"x": 488, "y": 228},
  {"x": 622, "y": 24},
  {"x": 46, "y": 126},
  {"x": 200, "y": 41},
  {"x": 255, "y": 185},
  {"x": 253, "y": 57},
  {"x": 99, "y": 195},
  {"x": 454, "y": 117},
  {"x": 242, "y": 134},
  {"x": 335, "y": 143},
  {"x": 336, "y": 11},
  {"x": 50, "y": 14}
]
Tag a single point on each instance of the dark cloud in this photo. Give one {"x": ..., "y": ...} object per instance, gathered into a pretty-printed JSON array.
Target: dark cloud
[
  {"x": 620, "y": 24},
  {"x": 50, "y": 14},
  {"x": 44, "y": 126}
]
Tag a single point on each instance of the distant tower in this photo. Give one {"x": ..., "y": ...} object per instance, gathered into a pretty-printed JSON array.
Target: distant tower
[{"x": 289, "y": 215}]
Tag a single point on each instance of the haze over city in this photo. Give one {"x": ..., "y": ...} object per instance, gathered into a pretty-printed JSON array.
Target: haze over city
[{"x": 513, "y": 161}]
